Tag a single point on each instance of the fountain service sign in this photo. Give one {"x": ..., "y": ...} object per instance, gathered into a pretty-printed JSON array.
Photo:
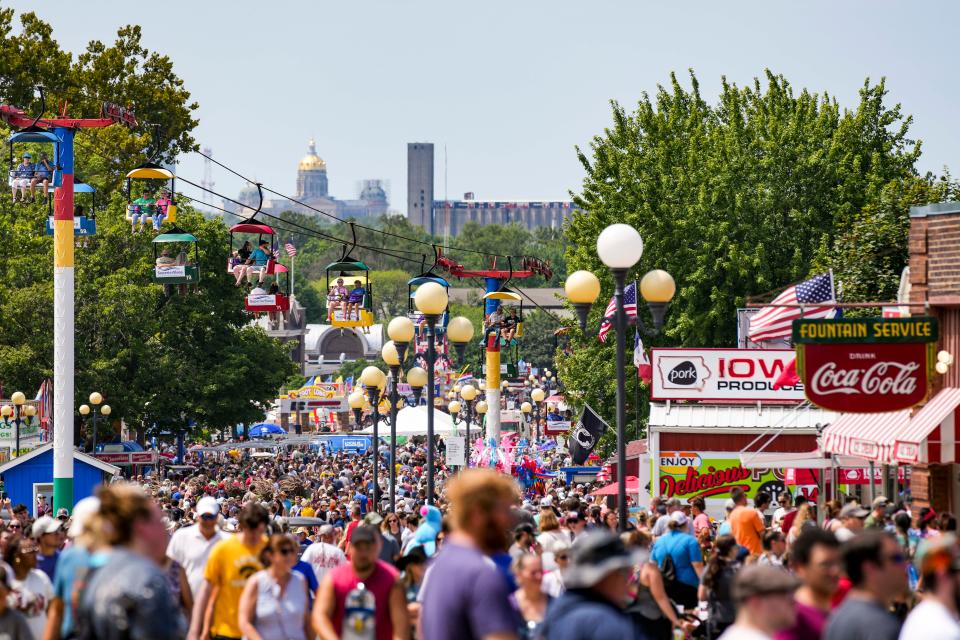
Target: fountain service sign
[{"x": 866, "y": 365}]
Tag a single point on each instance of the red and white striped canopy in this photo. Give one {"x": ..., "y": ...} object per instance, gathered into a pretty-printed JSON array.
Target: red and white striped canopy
[
  {"x": 931, "y": 435},
  {"x": 866, "y": 435}
]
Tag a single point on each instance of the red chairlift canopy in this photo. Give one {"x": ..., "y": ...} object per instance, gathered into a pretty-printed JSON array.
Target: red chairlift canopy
[{"x": 250, "y": 227}]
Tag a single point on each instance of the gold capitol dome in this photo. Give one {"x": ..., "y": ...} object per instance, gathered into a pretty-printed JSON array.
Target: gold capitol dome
[{"x": 311, "y": 161}]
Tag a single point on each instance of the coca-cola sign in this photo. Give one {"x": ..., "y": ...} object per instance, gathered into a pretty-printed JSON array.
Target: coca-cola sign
[{"x": 865, "y": 365}]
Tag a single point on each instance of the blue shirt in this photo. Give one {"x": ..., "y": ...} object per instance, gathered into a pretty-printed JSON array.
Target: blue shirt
[
  {"x": 307, "y": 570},
  {"x": 259, "y": 257},
  {"x": 725, "y": 529},
  {"x": 684, "y": 550},
  {"x": 48, "y": 564},
  {"x": 68, "y": 563}
]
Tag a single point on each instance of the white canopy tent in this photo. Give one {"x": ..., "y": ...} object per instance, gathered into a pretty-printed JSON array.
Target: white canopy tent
[{"x": 412, "y": 421}]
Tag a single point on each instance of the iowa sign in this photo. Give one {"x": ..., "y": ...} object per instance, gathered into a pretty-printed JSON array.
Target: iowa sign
[
  {"x": 721, "y": 374},
  {"x": 865, "y": 365}
]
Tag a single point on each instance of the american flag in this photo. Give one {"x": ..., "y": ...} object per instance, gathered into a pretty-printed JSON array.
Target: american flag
[
  {"x": 291, "y": 250},
  {"x": 629, "y": 306},
  {"x": 774, "y": 321}
]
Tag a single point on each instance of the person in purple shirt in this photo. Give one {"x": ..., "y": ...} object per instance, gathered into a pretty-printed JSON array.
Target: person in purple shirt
[
  {"x": 815, "y": 560},
  {"x": 463, "y": 594}
]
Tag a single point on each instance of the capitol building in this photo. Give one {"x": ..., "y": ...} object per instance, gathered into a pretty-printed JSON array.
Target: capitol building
[{"x": 312, "y": 190}]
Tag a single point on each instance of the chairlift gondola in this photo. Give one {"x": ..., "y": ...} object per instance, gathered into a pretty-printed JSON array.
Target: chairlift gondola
[
  {"x": 24, "y": 177},
  {"x": 180, "y": 270},
  {"x": 159, "y": 210},
  {"x": 83, "y": 225},
  {"x": 509, "y": 345},
  {"x": 352, "y": 306},
  {"x": 274, "y": 300}
]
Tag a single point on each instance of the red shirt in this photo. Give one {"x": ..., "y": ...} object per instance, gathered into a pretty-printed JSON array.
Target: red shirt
[
  {"x": 380, "y": 582},
  {"x": 787, "y": 523}
]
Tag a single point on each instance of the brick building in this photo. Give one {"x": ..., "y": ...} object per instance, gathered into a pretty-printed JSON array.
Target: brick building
[{"x": 934, "y": 247}]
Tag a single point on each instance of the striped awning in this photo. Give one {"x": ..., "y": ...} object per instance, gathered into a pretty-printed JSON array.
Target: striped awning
[
  {"x": 931, "y": 435},
  {"x": 866, "y": 435}
]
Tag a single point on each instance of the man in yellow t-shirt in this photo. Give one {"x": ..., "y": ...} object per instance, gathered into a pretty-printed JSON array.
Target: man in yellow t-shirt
[{"x": 231, "y": 563}]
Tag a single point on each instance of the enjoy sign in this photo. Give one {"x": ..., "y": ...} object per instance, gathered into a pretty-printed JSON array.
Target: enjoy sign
[{"x": 866, "y": 365}]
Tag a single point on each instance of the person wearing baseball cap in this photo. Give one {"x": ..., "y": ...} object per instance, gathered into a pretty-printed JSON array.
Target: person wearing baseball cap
[
  {"x": 324, "y": 555},
  {"x": 191, "y": 546},
  {"x": 597, "y": 582},
  {"x": 878, "y": 513},
  {"x": 684, "y": 551},
  {"x": 48, "y": 533},
  {"x": 377, "y": 576},
  {"x": 852, "y": 516}
]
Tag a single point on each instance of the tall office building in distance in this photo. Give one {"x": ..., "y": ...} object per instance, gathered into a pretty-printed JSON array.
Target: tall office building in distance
[
  {"x": 448, "y": 217},
  {"x": 420, "y": 185}
]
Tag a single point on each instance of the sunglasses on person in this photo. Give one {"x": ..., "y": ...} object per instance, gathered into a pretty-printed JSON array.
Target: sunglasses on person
[
  {"x": 562, "y": 556},
  {"x": 14, "y": 527},
  {"x": 896, "y": 558},
  {"x": 208, "y": 516},
  {"x": 286, "y": 551}
]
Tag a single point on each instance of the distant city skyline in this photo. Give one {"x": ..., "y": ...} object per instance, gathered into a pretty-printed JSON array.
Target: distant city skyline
[{"x": 507, "y": 88}]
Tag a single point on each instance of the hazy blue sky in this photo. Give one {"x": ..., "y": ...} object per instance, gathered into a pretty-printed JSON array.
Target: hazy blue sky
[{"x": 508, "y": 86}]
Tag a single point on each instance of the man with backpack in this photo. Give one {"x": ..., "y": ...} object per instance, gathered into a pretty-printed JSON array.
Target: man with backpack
[{"x": 680, "y": 560}]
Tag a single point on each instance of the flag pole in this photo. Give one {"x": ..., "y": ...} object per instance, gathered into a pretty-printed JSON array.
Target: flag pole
[{"x": 293, "y": 264}]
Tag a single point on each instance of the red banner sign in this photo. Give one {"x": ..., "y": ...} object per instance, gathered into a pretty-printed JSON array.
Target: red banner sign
[{"x": 868, "y": 365}]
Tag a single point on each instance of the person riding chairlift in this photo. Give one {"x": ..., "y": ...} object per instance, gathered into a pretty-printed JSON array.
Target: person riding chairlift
[
  {"x": 337, "y": 296},
  {"x": 144, "y": 208},
  {"x": 22, "y": 177},
  {"x": 42, "y": 175},
  {"x": 160, "y": 212}
]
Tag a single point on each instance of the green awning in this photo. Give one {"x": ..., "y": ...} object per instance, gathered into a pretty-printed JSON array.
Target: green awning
[
  {"x": 175, "y": 237},
  {"x": 347, "y": 266}
]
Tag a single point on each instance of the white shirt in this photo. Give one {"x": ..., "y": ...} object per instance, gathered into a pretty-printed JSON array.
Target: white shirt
[
  {"x": 552, "y": 584},
  {"x": 323, "y": 556},
  {"x": 930, "y": 620},
  {"x": 843, "y": 534},
  {"x": 31, "y": 596},
  {"x": 191, "y": 549},
  {"x": 737, "y": 632}
]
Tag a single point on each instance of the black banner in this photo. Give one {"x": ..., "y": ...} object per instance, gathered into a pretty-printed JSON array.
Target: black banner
[{"x": 585, "y": 435}]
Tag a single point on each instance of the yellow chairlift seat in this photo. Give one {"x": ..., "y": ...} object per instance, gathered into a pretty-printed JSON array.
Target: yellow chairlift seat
[
  {"x": 351, "y": 271},
  {"x": 150, "y": 171},
  {"x": 506, "y": 295}
]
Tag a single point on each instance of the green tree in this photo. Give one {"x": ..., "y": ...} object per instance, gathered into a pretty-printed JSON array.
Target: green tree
[{"x": 732, "y": 199}]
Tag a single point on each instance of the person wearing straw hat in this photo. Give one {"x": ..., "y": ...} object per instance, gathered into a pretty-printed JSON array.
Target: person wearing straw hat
[{"x": 597, "y": 583}]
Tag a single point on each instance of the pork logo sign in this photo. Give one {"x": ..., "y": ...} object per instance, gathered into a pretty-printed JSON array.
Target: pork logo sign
[
  {"x": 682, "y": 372},
  {"x": 866, "y": 365}
]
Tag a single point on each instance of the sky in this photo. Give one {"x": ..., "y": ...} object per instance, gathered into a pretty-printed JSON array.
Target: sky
[{"x": 505, "y": 89}]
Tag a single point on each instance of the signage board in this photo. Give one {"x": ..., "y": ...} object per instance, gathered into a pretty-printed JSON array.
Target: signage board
[
  {"x": 128, "y": 458},
  {"x": 556, "y": 427},
  {"x": 712, "y": 475},
  {"x": 722, "y": 374},
  {"x": 261, "y": 300},
  {"x": 171, "y": 271},
  {"x": 866, "y": 365},
  {"x": 456, "y": 450}
]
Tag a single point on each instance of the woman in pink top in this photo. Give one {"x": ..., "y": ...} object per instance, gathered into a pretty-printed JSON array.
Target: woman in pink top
[{"x": 701, "y": 520}]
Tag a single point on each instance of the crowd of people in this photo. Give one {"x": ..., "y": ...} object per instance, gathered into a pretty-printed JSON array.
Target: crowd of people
[{"x": 298, "y": 546}]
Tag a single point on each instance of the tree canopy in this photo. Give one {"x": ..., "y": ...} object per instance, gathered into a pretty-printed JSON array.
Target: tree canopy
[
  {"x": 156, "y": 359},
  {"x": 759, "y": 190}
]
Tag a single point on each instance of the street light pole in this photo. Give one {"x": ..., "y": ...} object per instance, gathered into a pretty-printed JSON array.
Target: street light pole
[
  {"x": 620, "y": 247},
  {"x": 400, "y": 330},
  {"x": 619, "y": 278},
  {"x": 373, "y": 381},
  {"x": 430, "y": 300},
  {"x": 18, "y": 399}
]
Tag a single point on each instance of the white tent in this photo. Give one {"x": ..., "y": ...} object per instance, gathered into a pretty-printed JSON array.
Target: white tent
[{"x": 412, "y": 421}]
